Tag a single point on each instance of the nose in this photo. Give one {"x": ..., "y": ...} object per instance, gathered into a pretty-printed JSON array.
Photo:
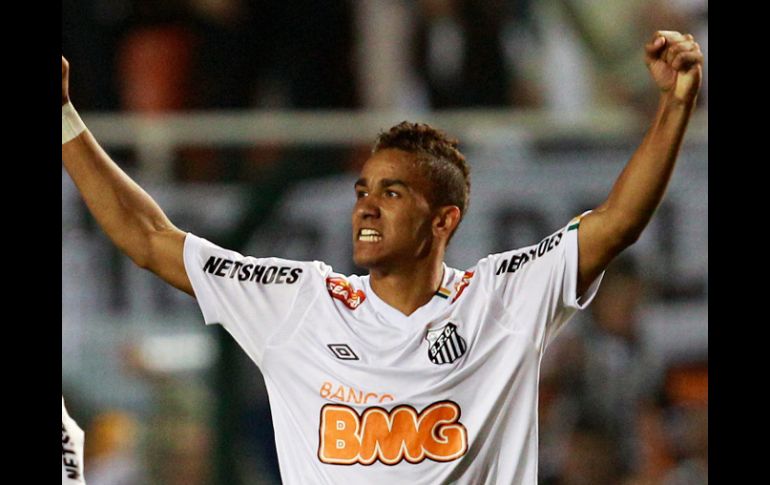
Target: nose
[{"x": 367, "y": 208}]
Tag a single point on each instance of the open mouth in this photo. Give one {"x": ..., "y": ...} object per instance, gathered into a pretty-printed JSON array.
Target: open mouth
[{"x": 369, "y": 235}]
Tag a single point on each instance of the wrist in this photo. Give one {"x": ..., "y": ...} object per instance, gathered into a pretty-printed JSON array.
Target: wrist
[
  {"x": 670, "y": 101},
  {"x": 679, "y": 96},
  {"x": 71, "y": 124}
]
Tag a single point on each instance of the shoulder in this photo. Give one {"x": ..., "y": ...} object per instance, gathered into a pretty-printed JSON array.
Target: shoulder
[
  {"x": 497, "y": 268},
  {"x": 516, "y": 259},
  {"x": 349, "y": 290},
  {"x": 216, "y": 261}
]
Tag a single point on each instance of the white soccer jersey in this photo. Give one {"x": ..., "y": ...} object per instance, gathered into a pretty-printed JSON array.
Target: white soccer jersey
[
  {"x": 361, "y": 393},
  {"x": 71, "y": 449}
]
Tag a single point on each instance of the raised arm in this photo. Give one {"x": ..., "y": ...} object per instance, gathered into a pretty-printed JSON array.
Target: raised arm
[
  {"x": 128, "y": 215},
  {"x": 674, "y": 61}
]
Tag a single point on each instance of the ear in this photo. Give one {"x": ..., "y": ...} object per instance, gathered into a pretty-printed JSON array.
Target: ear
[{"x": 446, "y": 220}]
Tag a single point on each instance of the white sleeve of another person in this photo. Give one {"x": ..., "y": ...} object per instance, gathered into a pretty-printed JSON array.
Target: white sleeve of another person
[{"x": 72, "y": 440}]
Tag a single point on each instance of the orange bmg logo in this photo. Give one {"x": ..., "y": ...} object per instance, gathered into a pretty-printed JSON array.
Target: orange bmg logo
[{"x": 389, "y": 437}]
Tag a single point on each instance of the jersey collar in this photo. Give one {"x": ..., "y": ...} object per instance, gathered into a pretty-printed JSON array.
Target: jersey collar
[{"x": 443, "y": 297}]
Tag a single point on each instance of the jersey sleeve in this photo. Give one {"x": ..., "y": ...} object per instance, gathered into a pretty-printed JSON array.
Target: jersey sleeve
[
  {"x": 72, "y": 441},
  {"x": 250, "y": 297},
  {"x": 537, "y": 285}
]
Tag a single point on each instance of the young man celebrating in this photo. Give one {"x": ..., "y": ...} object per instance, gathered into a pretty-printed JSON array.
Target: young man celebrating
[{"x": 416, "y": 373}]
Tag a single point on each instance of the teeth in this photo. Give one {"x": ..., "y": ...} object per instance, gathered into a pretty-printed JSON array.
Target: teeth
[
  {"x": 369, "y": 235},
  {"x": 369, "y": 238}
]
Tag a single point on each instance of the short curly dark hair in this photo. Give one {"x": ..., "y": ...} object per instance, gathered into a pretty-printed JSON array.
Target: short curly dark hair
[{"x": 438, "y": 156}]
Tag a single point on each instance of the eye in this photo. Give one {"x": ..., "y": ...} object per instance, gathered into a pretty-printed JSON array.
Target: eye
[
  {"x": 392, "y": 193},
  {"x": 361, "y": 194}
]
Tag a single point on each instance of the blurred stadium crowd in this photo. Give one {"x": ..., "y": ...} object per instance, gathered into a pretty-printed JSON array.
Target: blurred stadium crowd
[
  {"x": 331, "y": 54},
  {"x": 612, "y": 410}
]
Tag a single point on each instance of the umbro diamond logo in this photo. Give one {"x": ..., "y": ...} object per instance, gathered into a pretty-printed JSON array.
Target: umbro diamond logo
[{"x": 342, "y": 351}]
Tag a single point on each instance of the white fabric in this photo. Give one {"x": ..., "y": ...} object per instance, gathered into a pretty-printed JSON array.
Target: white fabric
[
  {"x": 72, "y": 440},
  {"x": 71, "y": 124},
  {"x": 357, "y": 396}
]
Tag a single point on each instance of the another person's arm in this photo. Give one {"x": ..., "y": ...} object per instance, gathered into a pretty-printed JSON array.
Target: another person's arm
[
  {"x": 674, "y": 61},
  {"x": 128, "y": 215}
]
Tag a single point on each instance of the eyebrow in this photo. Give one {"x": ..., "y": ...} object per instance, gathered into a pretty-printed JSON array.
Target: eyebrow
[{"x": 383, "y": 183}]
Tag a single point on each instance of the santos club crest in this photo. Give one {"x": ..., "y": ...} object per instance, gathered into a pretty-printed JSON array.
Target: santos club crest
[{"x": 445, "y": 344}]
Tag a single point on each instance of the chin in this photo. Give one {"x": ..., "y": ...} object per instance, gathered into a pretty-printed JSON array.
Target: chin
[{"x": 367, "y": 260}]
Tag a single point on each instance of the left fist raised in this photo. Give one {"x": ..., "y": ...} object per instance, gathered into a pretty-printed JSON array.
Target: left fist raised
[{"x": 675, "y": 63}]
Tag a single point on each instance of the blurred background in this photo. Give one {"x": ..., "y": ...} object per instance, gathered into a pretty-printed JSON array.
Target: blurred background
[{"x": 247, "y": 120}]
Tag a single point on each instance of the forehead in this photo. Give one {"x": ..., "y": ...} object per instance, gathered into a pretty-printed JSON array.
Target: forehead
[{"x": 392, "y": 163}]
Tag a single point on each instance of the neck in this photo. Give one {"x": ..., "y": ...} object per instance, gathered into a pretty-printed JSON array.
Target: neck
[{"x": 408, "y": 288}]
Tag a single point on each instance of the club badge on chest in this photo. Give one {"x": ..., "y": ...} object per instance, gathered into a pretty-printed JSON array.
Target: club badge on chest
[{"x": 445, "y": 345}]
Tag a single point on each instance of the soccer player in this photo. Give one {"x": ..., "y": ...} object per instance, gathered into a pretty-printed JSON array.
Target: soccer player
[{"x": 416, "y": 373}]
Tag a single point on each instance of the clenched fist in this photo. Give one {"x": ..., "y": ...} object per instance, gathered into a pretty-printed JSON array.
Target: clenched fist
[{"x": 675, "y": 63}]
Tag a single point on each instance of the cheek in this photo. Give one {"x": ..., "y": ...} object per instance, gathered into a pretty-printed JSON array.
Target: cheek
[{"x": 420, "y": 224}]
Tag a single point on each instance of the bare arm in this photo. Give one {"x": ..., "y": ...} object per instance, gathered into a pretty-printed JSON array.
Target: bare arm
[
  {"x": 674, "y": 61},
  {"x": 128, "y": 215}
]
